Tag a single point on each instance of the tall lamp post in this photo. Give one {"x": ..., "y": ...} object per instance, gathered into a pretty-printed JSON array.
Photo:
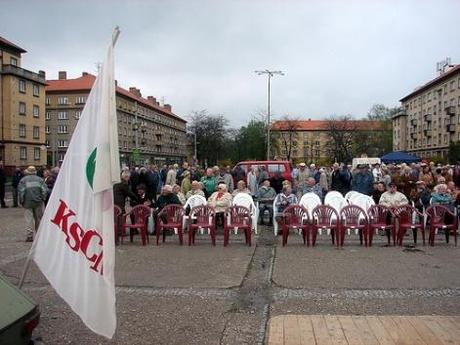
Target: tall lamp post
[{"x": 269, "y": 74}]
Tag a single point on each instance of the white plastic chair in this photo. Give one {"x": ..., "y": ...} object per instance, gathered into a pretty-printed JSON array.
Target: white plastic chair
[
  {"x": 364, "y": 201},
  {"x": 243, "y": 199},
  {"x": 351, "y": 194},
  {"x": 337, "y": 202},
  {"x": 332, "y": 195},
  {"x": 275, "y": 223},
  {"x": 310, "y": 201},
  {"x": 194, "y": 200}
]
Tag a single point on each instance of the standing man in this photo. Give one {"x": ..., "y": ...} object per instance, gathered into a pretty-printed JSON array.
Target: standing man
[
  {"x": 363, "y": 180},
  {"x": 2, "y": 185},
  {"x": 209, "y": 183},
  {"x": 32, "y": 195},
  {"x": 16, "y": 178}
]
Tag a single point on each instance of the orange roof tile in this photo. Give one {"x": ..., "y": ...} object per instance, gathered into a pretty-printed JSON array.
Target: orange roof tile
[
  {"x": 5, "y": 42},
  {"x": 85, "y": 83},
  {"x": 322, "y": 125}
]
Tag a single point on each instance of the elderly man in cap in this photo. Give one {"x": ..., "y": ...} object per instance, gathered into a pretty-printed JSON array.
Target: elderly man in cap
[
  {"x": 393, "y": 198},
  {"x": 196, "y": 189},
  {"x": 32, "y": 192}
]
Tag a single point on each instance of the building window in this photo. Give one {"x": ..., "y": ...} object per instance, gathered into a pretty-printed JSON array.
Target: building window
[
  {"x": 62, "y": 143},
  {"x": 36, "y": 132},
  {"x": 47, "y": 129},
  {"x": 62, "y": 115},
  {"x": 22, "y": 108},
  {"x": 36, "y": 90},
  {"x": 77, "y": 115},
  {"x": 452, "y": 85},
  {"x": 48, "y": 115},
  {"x": 62, "y": 129},
  {"x": 80, "y": 100},
  {"x": 36, "y": 153},
  {"x": 22, "y": 131},
  {"x": 48, "y": 101},
  {"x": 23, "y": 152},
  {"x": 63, "y": 100},
  {"x": 36, "y": 111},
  {"x": 13, "y": 61},
  {"x": 22, "y": 86},
  {"x": 47, "y": 143}
]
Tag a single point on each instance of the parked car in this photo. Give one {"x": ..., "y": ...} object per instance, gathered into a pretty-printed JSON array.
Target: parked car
[
  {"x": 283, "y": 167},
  {"x": 19, "y": 315}
]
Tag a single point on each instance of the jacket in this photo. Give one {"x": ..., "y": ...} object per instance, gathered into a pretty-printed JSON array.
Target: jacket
[
  {"x": 363, "y": 183},
  {"x": 32, "y": 191}
]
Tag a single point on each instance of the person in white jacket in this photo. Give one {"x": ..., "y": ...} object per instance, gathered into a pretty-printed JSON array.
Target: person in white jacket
[{"x": 393, "y": 198}]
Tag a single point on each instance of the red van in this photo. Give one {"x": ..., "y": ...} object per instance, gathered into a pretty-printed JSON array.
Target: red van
[{"x": 284, "y": 167}]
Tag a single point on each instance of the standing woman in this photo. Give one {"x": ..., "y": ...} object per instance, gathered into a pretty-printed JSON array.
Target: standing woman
[{"x": 253, "y": 177}]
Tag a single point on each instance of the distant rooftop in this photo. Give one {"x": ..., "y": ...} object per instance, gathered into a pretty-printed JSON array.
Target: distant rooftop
[{"x": 5, "y": 43}]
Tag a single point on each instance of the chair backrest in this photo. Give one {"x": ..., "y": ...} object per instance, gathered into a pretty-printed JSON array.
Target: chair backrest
[
  {"x": 337, "y": 202},
  {"x": 195, "y": 200},
  {"x": 173, "y": 213},
  {"x": 116, "y": 211},
  {"x": 408, "y": 214},
  {"x": 296, "y": 215},
  {"x": 363, "y": 201},
  {"x": 309, "y": 201},
  {"x": 378, "y": 214},
  {"x": 324, "y": 215},
  {"x": 203, "y": 214},
  {"x": 437, "y": 214},
  {"x": 351, "y": 194},
  {"x": 237, "y": 215},
  {"x": 140, "y": 213},
  {"x": 243, "y": 199},
  {"x": 333, "y": 194},
  {"x": 353, "y": 215}
]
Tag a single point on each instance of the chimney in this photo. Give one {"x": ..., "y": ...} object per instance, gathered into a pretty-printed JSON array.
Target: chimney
[
  {"x": 42, "y": 74},
  {"x": 84, "y": 74},
  {"x": 135, "y": 91},
  {"x": 62, "y": 75},
  {"x": 116, "y": 83},
  {"x": 167, "y": 107},
  {"x": 152, "y": 100}
]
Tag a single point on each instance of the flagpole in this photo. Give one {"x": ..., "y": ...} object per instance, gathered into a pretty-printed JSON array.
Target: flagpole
[{"x": 115, "y": 35}]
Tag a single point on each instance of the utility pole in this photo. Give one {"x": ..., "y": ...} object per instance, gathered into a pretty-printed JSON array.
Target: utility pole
[{"x": 269, "y": 74}]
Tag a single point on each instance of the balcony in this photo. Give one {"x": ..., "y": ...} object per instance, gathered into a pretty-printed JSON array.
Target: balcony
[
  {"x": 413, "y": 135},
  {"x": 428, "y": 132},
  {"x": 450, "y": 110},
  {"x": 23, "y": 73},
  {"x": 428, "y": 117},
  {"x": 413, "y": 122},
  {"x": 451, "y": 128}
]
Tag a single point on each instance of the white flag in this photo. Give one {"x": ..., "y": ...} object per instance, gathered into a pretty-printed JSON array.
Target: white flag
[{"x": 74, "y": 246}]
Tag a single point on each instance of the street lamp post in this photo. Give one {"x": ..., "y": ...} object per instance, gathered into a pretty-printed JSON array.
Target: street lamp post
[{"x": 269, "y": 74}]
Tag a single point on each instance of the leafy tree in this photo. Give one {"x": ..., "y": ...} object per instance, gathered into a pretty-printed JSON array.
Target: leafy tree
[
  {"x": 454, "y": 153},
  {"x": 341, "y": 131},
  {"x": 286, "y": 136}
]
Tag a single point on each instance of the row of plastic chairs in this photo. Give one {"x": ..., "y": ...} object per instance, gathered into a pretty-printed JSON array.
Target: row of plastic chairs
[
  {"x": 171, "y": 218},
  {"x": 353, "y": 217}
]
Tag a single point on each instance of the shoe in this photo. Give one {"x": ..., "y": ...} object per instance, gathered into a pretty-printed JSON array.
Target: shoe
[
  {"x": 29, "y": 239},
  {"x": 4, "y": 206}
]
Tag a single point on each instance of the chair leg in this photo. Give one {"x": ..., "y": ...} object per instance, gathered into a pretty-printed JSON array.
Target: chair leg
[
  {"x": 181, "y": 236},
  {"x": 212, "y": 231},
  {"x": 226, "y": 235},
  {"x": 190, "y": 232}
]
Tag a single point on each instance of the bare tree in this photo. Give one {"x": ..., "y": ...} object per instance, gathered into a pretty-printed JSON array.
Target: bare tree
[
  {"x": 286, "y": 130},
  {"x": 341, "y": 131}
]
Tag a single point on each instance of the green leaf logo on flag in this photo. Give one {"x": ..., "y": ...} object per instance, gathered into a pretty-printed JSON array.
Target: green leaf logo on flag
[{"x": 91, "y": 167}]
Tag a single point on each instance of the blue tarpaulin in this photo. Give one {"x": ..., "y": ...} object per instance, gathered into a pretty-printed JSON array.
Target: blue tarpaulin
[{"x": 399, "y": 157}]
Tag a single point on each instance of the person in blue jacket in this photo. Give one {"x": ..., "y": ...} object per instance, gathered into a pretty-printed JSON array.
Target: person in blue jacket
[{"x": 363, "y": 180}]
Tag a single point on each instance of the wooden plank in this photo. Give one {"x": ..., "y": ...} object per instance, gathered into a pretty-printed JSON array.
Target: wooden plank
[
  {"x": 439, "y": 331},
  {"x": 350, "y": 330},
  {"x": 307, "y": 337},
  {"x": 409, "y": 330},
  {"x": 451, "y": 325},
  {"x": 335, "y": 330},
  {"x": 365, "y": 332},
  {"x": 379, "y": 331},
  {"x": 276, "y": 331},
  {"x": 426, "y": 333},
  {"x": 393, "y": 330},
  {"x": 320, "y": 330},
  {"x": 291, "y": 330}
]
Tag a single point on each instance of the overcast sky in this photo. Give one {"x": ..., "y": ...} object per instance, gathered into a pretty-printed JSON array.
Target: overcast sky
[{"x": 339, "y": 57}]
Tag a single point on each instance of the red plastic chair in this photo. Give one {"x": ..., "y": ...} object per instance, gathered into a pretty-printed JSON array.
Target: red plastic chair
[
  {"x": 117, "y": 222},
  {"x": 170, "y": 217},
  {"x": 141, "y": 214},
  {"x": 325, "y": 217},
  {"x": 203, "y": 217},
  {"x": 378, "y": 216},
  {"x": 296, "y": 217},
  {"x": 353, "y": 217},
  {"x": 237, "y": 217},
  {"x": 437, "y": 215},
  {"x": 409, "y": 218}
]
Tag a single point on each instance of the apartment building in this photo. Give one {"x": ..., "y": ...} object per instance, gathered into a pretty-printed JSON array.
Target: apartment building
[
  {"x": 430, "y": 119},
  {"x": 148, "y": 132},
  {"x": 22, "y": 107},
  {"x": 307, "y": 139}
]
